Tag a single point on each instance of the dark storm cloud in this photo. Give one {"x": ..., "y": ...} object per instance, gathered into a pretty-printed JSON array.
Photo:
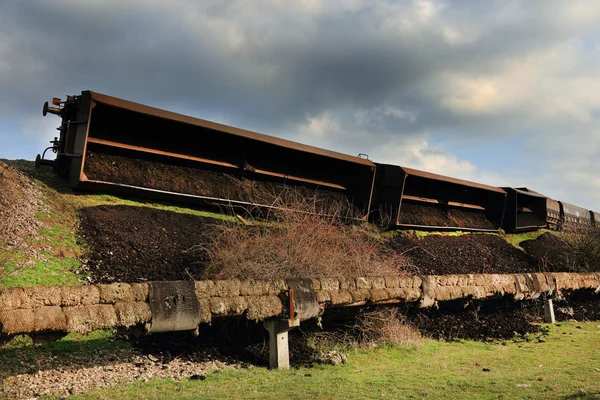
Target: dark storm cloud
[{"x": 349, "y": 75}]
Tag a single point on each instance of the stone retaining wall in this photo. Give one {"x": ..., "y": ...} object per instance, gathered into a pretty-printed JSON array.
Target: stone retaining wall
[{"x": 83, "y": 309}]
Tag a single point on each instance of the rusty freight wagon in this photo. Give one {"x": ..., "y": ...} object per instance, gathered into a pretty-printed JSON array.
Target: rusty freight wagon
[
  {"x": 526, "y": 210},
  {"x": 112, "y": 145},
  {"x": 412, "y": 199}
]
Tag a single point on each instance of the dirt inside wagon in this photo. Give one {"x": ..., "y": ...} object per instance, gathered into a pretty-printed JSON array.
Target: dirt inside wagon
[
  {"x": 423, "y": 215},
  {"x": 201, "y": 182}
]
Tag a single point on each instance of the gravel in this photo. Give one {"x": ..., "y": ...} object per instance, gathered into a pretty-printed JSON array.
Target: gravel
[
  {"x": 20, "y": 201},
  {"x": 64, "y": 380}
]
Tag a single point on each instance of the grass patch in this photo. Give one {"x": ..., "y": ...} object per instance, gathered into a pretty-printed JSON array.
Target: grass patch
[
  {"x": 516, "y": 239},
  {"x": 416, "y": 233},
  {"x": 91, "y": 200},
  {"x": 52, "y": 272},
  {"x": 57, "y": 258},
  {"x": 53, "y": 257},
  {"x": 565, "y": 365}
]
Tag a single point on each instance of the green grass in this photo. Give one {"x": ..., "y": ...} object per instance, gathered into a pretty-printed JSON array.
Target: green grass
[
  {"x": 566, "y": 365},
  {"x": 516, "y": 239},
  {"x": 57, "y": 260},
  {"x": 58, "y": 248},
  {"x": 90, "y": 200}
]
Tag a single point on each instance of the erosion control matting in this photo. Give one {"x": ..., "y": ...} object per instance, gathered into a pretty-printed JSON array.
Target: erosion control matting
[
  {"x": 135, "y": 244},
  {"x": 200, "y": 182},
  {"x": 464, "y": 254},
  {"x": 420, "y": 214}
]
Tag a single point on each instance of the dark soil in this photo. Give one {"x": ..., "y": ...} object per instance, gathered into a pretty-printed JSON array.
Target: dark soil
[
  {"x": 554, "y": 254},
  {"x": 529, "y": 219},
  {"x": 135, "y": 244},
  {"x": 417, "y": 214},
  {"x": 549, "y": 251},
  {"x": 479, "y": 321},
  {"x": 465, "y": 254},
  {"x": 200, "y": 182},
  {"x": 578, "y": 306}
]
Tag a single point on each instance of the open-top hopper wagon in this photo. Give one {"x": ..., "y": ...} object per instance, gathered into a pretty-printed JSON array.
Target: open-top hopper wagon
[
  {"x": 595, "y": 216},
  {"x": 413, "y": 199},
  {"x": 113, "y": 145},
  {"x": 525, "y": 210},
  {"x": 574, "y": 217}
]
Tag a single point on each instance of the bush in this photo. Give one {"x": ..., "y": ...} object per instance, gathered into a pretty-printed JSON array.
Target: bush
[
  {"x": 583, "y": 253},
  {"x": 300, "y": 240},
  {"x": 370, "y": 327}
]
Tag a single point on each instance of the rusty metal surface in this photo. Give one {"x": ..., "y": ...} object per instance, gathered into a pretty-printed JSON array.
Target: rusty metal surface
[
  {"x": 305, "y": 303},
  {"x": 160, "y": 152},
  {"x": 395, "y": 184},
  {"x": 157, "y": 112},
  {"x": 450, "y": 203},
  {"x": 174, "y": 306},
  {"x": 522, "y": 201},
  {"x": 574, "y": 213},
  {"x": 553, "y": 205},
  {"x": 127, "y": 129},
  {"x": 430, "y": 175},
  {"x": 527, "y": 192},
  {"x": 596, "y": 217}
]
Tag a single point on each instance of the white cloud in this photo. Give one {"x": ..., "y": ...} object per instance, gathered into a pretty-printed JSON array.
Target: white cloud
[{"x": 387, "y": 78}]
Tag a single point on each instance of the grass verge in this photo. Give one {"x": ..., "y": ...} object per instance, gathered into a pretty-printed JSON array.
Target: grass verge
[
  {"x": 565, "y": 365},
  {"x": 516, "y": 239}
]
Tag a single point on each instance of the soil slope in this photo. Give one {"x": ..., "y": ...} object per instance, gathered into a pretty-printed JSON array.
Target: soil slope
[
  {"x": 464, "y": 254},
  {"x": 20, "y": 200},
  {"x": 134, "y": 244}
]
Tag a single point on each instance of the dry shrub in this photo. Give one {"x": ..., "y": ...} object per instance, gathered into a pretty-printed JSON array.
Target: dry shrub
[
  {"x": 371, "y": 327},
  {"x": 386, "y": 326},
  {"x": 306, "y": 238},
  {"x": 583, "y": 253}
]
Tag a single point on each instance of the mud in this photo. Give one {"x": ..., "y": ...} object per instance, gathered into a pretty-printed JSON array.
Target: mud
[{"x": 417, "y": 214}]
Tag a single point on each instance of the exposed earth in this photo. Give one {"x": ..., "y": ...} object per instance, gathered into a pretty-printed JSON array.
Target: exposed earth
[
  {"x": 200, "y": 182},
  {"x": 463, "y": 254},
  {"x": 20, "y": 201},
  {"x": 136, "y": 244},
  {"x": 550, "y": 252},
  {"x": 417, "y": 214}
]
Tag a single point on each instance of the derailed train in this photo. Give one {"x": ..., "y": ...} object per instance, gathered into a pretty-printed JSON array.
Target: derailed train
[{"x": 113, "y": 145}]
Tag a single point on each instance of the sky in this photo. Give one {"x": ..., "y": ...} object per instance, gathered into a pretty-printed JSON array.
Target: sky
[{"x": 503, "y": 92}]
